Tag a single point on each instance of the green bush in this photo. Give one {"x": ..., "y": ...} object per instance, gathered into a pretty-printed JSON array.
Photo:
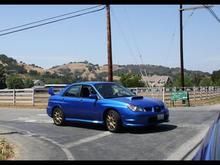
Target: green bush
[
  {"x": 14, "y": 82},
  {"x": 28, "y": 83},
  {"x": 2, "y": 77},
  {"x": 131, "y": 80}
]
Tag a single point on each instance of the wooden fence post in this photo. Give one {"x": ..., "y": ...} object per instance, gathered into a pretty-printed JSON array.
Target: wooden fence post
[
  {"x": 194, "y": 95},
  {"x": 33, "y": 96},
  {"x": 163, "y": 94},
  {"x": 14, "y": 101}
]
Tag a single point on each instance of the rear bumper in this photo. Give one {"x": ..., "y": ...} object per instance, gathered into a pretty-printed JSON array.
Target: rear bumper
[
  {"x": 144, "y": 120},
  {"x": 49, "y": 111}
]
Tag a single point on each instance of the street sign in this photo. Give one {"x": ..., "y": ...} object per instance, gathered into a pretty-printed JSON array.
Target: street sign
[{"x": 179, "y": 95}]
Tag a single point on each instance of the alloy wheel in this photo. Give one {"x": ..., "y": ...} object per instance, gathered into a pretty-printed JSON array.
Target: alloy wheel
[{"x": 58, "y": 117}]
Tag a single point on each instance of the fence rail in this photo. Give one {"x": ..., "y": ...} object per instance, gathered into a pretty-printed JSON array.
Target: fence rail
[
  {"x": 39, "y": 96},
  {"x": 197, "y": 95}
]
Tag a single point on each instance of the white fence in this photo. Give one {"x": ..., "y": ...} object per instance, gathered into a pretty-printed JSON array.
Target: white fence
[
  {"x": 196, "y": 94},
  {"x": 40, "y": 96},
  {"x": 30, "y": 96}
]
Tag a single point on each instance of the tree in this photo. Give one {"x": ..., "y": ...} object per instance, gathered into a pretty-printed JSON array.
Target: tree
[
  {"x": 28, "y": 83},
  {"x": 131, "y": 80},
  {"x": 187, "y": 81},
  {"x": 2, "y": 77},
  {"x": 33, "y": 73},
  {"x": 216, "y": 77},
  {"x": 196, "y": 79},
  {"x": 14, "y": 82},
  {"x": 207, "y": 81}
]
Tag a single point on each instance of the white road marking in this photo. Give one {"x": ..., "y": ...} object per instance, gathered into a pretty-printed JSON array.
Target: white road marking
[
  {"x": 42, "y": 114},
  {"x": 30, "y": 121},
  {"x": 34, "y": 119},
  {"x": 67, "y": 152},
  {"x": 88, "y": 139}
]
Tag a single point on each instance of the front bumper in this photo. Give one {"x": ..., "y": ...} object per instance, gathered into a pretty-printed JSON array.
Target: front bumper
[{"x": 144, "y": 119}]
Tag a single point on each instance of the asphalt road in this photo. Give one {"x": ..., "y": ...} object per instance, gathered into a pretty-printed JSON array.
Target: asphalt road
[{"x": 37, "y": 138}]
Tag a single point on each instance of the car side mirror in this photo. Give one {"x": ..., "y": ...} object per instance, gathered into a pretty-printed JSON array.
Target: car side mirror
[
  {"x": 51, "y": 91},
  {"x": 93, "y": 96},
  {"x": 134, "y": 93}
]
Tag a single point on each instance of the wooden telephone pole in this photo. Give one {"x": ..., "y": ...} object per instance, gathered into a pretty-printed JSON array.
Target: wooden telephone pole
[
  {"x": 181, "y": 39},
  {"x": 109, "y": 44},
  {"x": 181, "y": 48}
]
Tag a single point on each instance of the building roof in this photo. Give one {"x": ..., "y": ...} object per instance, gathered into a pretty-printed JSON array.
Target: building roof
[{"x": 155, "y": 79}]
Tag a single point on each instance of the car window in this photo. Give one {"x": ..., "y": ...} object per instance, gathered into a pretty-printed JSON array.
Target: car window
[
  {"x": 87, "y": 90},
  {"x": 113, "y": 90},
  {"x": 73, "y": 91}
]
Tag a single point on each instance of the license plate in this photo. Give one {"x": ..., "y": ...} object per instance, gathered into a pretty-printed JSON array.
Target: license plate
[{"x": 160, "y": 117}]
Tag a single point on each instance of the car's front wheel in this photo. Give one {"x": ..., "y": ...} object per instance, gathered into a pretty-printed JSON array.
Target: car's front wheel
[
  {"x": 58, "y": 117},
  {"x": 113, "y": 121}
]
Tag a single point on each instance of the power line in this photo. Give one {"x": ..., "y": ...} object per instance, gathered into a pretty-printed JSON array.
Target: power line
[
  {"x": 175, "y": 30},
  {"x": 52, "y": 21},
  {"x": 133, "y": 36},
  {"x": 58, "y": 16},
  {"x": 126, "y": 40},
  {"x": 123, "y": 35},
  {"x": 135, "y": 42},
  {"x": 212, "y": 12},
  {"x": 187, "y": 20}
]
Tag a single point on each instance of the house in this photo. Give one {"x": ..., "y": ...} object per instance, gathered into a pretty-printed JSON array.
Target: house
[
  {"x": 157, "y": 81},
  {"x": 38, "y": 83}
]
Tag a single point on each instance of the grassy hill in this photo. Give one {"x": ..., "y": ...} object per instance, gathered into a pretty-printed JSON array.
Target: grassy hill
[{"x": 83, "y": 71}]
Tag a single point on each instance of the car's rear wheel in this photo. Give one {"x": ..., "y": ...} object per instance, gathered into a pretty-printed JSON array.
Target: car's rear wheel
[
  {"x": 58, "y": 117},
  {"x": 113, "y": 121}
]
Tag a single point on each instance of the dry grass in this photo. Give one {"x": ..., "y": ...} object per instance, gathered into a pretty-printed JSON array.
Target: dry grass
[
  {"x": 213, "y": 101},
  {"x": 6, "y": 150}
]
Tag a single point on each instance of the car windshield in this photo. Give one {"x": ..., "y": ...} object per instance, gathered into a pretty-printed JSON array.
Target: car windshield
[{"x": 113, "y": 90}]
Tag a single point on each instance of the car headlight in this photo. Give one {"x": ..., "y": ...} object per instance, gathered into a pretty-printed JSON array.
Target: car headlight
[{"x": 135, "y": 108}]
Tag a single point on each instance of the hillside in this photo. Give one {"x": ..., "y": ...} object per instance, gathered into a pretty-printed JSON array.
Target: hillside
[{"x": 88, "y": 71}]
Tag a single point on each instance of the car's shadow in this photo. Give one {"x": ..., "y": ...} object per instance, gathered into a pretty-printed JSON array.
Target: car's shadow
[
  {"x": 150, "y": 129},
  {"x": 134, "y": 130}
]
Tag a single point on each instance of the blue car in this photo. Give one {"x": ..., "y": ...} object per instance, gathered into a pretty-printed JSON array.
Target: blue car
[
  {"x": 210, "y": 146},
  {"x": 106, "y": 103}
]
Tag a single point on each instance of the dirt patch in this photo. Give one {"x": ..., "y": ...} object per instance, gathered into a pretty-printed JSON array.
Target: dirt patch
[{"x": 6, "y": 150}]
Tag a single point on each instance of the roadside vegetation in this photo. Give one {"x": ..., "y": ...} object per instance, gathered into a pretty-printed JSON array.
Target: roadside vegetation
[
  {"x": 15, "y": 75},
  {"x": 6, "y": 150}
]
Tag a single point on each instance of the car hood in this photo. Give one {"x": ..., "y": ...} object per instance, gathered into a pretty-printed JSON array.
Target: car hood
[{"x": 142, "y": 102}]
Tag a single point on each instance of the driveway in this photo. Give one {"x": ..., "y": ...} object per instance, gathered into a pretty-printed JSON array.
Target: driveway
[{"x": 37, "y": 138}]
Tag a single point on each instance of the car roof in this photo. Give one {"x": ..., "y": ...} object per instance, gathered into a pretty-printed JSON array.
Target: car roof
[{"x": 93, "y": 82}]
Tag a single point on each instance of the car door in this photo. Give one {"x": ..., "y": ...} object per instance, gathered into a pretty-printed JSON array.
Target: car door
[
  {"x": 88, "y": 106},
  {"x": 72, "y": 102}
]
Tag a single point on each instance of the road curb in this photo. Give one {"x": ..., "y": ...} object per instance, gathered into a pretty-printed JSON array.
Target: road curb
[{"x": 185, "y": 149}]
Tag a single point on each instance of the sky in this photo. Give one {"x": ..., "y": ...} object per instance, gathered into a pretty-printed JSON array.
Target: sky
[{"x": 141, "y": 34}]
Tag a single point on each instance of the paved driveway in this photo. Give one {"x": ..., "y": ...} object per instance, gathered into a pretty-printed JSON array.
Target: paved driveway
[{"x": 37, "y": 138}]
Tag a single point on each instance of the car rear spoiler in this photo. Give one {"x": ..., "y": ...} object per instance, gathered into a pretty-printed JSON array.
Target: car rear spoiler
[{"x": 51, "y": 91}]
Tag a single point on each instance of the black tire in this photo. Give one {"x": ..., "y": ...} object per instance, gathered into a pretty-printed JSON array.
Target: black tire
[
  {"x": 58, "y": 117},
  {"x": 113, "y": 121}
]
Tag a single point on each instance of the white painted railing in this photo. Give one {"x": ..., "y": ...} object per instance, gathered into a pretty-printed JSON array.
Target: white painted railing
[{"x": 39, "y": 96}]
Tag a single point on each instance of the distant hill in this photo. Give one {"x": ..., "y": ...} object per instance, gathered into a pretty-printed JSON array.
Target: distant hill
[{"x": 87, "y": 71}]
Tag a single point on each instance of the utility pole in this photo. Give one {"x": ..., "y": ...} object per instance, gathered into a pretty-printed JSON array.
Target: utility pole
[
  {"x": 109, "y": 44},
  {"x": 181, "y": 48},
  {"x": 181, "y": 39}
]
